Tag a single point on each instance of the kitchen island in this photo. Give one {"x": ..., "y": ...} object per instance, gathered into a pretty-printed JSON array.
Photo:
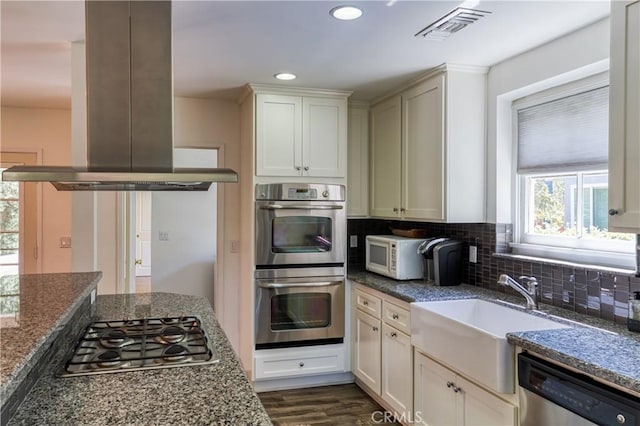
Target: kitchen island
[
  {"x": 37, "y": 312},
  {"x": 218, "y": 393},
  {"x": 594, "y": 346}
]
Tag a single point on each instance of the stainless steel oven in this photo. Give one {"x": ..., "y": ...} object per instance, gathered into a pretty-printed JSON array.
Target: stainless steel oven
[
  {"x": 299, "y": 311},
  {"x": 300, "y": 224}
]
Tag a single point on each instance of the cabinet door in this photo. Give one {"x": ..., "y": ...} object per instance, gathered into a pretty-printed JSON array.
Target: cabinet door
[
  {"x": 278, "y": 135},
  {"x": 434, "y": 401},
  {"x": 367, "y": 350},
  {"x": 385, "y": 159},
  {"x": 358, "y": 162},
  {"x": 397, "y": 370},
  {"x": 624, "y": 126},
  {"x": 480, "y": 408},
  {"x": 423, "y": 151},
  {"x": 324, "y": 139}
]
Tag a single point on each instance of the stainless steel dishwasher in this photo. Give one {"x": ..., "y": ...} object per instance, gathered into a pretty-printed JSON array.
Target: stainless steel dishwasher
[{"x": 552, "y": 395}]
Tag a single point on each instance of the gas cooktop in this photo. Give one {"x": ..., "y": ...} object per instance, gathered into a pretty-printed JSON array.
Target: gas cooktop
[{"x": 138, "y": 344}]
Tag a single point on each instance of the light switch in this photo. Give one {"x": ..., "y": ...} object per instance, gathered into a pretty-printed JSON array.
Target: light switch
[
  {"x": 235, "y": 246},
  {"x": 65, "y": 242},
  {"x": 353, "y": 241}
]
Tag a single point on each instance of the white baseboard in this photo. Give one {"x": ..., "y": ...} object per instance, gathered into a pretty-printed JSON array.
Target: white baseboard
[{"x": 303, "y": 382}]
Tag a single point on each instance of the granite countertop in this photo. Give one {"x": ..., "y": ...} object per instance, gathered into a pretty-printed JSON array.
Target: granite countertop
[
  {"x": 217, "y": 393},
  {"x": 34, "y": 308},
  {"x": 609, "y": 352}
]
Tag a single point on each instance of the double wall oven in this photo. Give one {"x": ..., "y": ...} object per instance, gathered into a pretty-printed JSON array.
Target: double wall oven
[{"x": 300, "y": 253}]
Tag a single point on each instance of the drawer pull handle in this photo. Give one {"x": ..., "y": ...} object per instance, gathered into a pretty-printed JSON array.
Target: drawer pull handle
[
  {"x": 393, "y": 334},
  {"x": 365, "y": 302},
  {"x": 375, "y": 328},
  {"x": 456, "y": 389},
  {"x": 449, "y": 384},
  {"x": 395, "y": 316},
  {"x": 614, "y": 212},
  {"x": 301, "y": 364}
]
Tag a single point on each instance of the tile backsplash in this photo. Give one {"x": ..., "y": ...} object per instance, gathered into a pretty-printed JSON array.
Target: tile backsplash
[{"x": 586, "y": 290}]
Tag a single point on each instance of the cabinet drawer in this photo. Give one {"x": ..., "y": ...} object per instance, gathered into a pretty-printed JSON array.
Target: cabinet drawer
[
  {"x": 298, "y": 363},
  {"x": 369, "y": 304},
  {"x": 396, "y": 317}
]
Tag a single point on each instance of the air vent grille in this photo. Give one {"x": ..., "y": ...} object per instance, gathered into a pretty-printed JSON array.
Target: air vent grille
[{"x": 451, "y": 23}]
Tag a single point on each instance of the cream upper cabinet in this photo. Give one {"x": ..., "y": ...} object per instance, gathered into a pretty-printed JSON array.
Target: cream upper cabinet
[
  {"x": 384, "y": 183},
  {"x": 423, "y": 151},
  {"x": 301, "y": 135},
  {"x": 278, "y": 135},
  {"x": 624, "y": 120},
  {"x": 358, "y": 161},
  {"x": 428, "y": 149},
  {"x": 444, "y": 398}
]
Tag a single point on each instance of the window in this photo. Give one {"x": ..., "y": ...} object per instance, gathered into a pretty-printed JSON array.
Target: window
[
  {"x": 9, "y": 227},
  {"x": 562, "y": 150}
]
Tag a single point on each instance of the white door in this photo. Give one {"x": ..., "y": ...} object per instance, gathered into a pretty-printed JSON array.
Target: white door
[
  {"x": 367, "y": 357},
  {"x": 324, "y": 139},
  {"x": 481, "y": 408},
  {"x": 434, "y": 399},
  {"x": 278, "y": 135},
  {"x": 423, "y": 151},
  {"x": 385, "y": 172},
  {"x": 143, "y": 234},
  {"x": 397, "y": 370}
]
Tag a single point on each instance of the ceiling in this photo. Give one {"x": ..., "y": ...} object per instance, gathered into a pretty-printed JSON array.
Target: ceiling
[{"x": 221, "y": 45}]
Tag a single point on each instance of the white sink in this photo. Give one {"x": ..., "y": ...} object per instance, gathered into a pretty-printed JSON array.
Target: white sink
[{"x": 470, "y": 336}]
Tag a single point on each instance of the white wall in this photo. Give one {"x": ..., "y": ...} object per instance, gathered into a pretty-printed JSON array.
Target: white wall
[
  {"x": 573, "y": 56},
  {"x": 184, "y": 263},
  {"x": 48, "y": 133},
  {"x": 212, "y": 123}
]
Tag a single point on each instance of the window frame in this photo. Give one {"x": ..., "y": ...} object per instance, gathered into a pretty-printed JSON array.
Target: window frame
[{"x": 580, "y": 250}]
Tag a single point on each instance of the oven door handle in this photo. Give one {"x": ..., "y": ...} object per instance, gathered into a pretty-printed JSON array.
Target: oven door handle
[
  {"x": 300, "y": 207},
  {"x": 299, "y": 284}
]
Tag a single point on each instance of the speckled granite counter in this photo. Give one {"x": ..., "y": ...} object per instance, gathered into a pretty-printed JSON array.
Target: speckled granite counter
[
  {"x": 611, "y": 357},
  {"x": 35, "y": 309},
  {"x": 195, "y": 395}
]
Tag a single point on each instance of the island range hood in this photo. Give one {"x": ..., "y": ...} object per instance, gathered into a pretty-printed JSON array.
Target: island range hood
[{"x": 129, "y": 107}]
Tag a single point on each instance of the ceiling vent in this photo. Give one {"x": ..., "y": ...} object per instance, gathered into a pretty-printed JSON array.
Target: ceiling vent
[{"x": 451, "y": 23}]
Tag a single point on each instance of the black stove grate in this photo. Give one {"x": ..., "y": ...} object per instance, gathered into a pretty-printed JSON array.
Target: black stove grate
[{"x": 126, "y": 345}]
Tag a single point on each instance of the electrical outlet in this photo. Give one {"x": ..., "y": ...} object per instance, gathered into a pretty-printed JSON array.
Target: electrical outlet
[
  {"x": 163, "y": 235},
  {"x": 65, "y": 242},
  {"x": 235, "y": 246},
  {"x": 473, "y": 254},
  {"x": 353, "y": 241}
]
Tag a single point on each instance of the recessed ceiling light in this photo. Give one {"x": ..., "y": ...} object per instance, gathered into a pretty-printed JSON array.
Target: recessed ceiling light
[
  {"x": 346, "y": 13},
  {"x": 285, "y": 76}
]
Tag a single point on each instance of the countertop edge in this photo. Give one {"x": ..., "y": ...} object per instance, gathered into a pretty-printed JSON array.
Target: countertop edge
[
  {"x": 15, "y": 378},
  {"x": 525, "y": 340}
]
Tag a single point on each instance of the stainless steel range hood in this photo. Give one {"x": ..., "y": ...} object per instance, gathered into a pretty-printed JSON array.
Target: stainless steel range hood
[{"x": 129, "y": 107}]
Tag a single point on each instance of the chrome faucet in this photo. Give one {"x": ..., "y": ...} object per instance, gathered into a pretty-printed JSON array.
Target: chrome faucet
[{"x": 530, "y": 293}]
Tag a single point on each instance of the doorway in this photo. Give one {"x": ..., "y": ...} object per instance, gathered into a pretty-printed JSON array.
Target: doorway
[
  {"x": 143, "y": 242},
  {"x": 19, "y": 212}
]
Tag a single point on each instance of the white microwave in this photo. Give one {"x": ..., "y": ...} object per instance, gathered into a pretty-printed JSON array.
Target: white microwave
[{"x": 394, "y": 257}]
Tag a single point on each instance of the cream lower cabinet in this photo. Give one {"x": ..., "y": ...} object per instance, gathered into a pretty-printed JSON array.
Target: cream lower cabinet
[
  {"x": 383, "y": 355},
  {"x": 624, "y": 125},
  {"x": 443, "y": 398}
]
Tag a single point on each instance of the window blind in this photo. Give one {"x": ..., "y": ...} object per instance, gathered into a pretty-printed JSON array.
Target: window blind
[{"x": 566, "y": 134}]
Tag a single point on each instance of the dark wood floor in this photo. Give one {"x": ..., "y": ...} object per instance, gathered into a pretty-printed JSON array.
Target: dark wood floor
[{"x": 326, "y": 405}]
